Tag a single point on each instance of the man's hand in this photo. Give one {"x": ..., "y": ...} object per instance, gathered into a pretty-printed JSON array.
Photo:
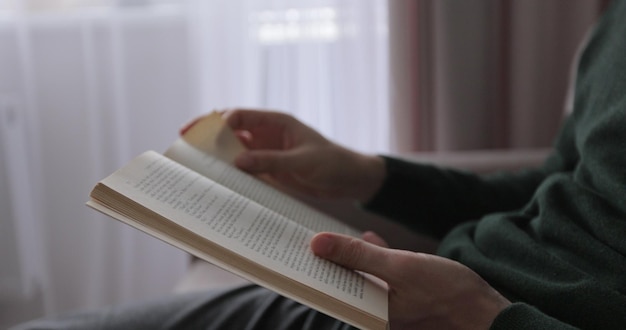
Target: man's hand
[
  {"x": 425, "y": 291},
  {"x": 299, "y": 158}
]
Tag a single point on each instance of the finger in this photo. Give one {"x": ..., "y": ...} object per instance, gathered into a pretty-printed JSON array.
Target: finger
[
  {"x": 244, "y": 137},
  {"x": 263, "y": 161},
  {"x": 352, "y": 253},
  {"x": 372, "y": 237},
  {"x": 246, "y": 119}
]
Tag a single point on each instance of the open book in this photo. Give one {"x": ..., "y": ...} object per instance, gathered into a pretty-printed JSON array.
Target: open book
[{"x": 192, "y": 198}]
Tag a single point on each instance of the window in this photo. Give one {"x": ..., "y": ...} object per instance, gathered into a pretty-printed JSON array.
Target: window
[{"x": 295, "y": 25}]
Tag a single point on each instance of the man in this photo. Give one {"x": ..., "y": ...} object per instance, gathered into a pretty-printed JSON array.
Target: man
[{"x": 539, "y": 249}]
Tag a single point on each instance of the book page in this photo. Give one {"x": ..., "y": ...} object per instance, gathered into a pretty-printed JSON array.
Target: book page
[
  {"x": 210, "y": 134},
  {"x": 265, "y": 238},
  {"x": 243, "y": 183}
]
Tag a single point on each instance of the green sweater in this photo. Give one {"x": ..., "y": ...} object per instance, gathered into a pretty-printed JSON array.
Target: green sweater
[{"x": 551, "y": 239}]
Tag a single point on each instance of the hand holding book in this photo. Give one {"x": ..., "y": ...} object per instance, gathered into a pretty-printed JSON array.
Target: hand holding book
[{"x": 299, "y": 158}]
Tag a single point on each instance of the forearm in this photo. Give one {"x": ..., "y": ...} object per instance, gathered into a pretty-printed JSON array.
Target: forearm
[
  {"x": 367, "y": 176},
  {"x": 433, "y": 200}
]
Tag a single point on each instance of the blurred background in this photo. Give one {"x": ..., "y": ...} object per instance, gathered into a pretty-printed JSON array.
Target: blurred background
[{"x": 85, "y": 85}]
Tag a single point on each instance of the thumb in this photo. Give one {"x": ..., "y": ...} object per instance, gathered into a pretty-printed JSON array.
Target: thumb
[{"x": 351, "y": 253}]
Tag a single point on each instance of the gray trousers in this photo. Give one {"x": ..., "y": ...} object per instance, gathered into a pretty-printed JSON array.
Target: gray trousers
[{"x": 246, "y": 307}]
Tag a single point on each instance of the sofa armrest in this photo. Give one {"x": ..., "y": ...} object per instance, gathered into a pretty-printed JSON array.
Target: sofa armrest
[{"x": 483, "y": 161}]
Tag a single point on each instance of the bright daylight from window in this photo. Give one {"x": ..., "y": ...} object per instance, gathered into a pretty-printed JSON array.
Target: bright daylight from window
[{"x": 293, "y": 25}]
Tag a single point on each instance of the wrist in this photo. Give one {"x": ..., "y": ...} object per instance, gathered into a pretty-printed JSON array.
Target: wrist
[{"x": 370, "y": 176}]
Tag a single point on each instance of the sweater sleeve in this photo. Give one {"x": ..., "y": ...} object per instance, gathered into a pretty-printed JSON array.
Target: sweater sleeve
[
  {"x": 432, "y": 200},
  {"x": 521, "y": 316}
]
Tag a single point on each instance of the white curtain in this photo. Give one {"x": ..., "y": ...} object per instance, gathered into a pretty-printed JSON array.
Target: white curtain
[
  {"x": 325, "y": 61},
  {"x": 86, "y": 85}
]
